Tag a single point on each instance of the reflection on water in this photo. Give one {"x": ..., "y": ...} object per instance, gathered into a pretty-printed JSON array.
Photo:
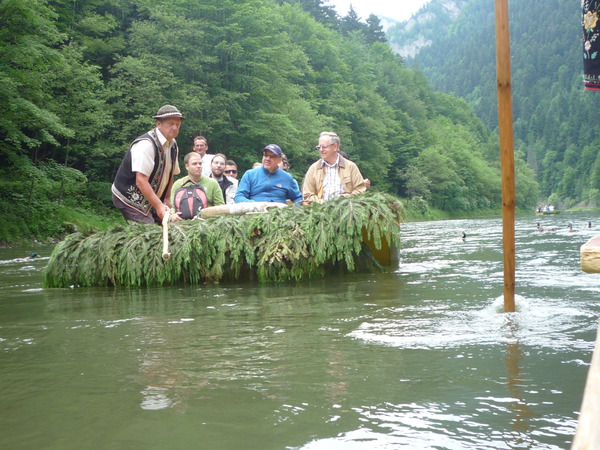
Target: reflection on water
[{"x": 421, "y": 357}]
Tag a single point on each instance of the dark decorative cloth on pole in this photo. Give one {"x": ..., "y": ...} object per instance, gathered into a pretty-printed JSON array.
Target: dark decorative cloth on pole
[{"x": 591, "y": 44}]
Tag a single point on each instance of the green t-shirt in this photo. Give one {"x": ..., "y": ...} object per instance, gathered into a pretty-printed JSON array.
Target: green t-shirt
[{"x": 212, "y": 188}]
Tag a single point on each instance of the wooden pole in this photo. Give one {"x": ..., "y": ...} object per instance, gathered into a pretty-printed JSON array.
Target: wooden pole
[
  {"x": 507, "y": 154},
  {"x": 165, "y": 226}
]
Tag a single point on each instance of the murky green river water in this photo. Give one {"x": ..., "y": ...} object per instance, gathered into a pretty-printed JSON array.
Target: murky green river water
[{"x": 420, "y": 358}]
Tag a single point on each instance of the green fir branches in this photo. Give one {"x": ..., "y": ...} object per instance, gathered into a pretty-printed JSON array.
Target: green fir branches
[{"x": 284, "y": 244}]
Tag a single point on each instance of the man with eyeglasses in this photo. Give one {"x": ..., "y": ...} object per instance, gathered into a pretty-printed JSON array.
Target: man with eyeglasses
[
  {"x": 231, "y": 169},
  {"x": 268, "y": 183},
  {"x": 228, "y": 185},
  {"x": 333, "y": 175}
]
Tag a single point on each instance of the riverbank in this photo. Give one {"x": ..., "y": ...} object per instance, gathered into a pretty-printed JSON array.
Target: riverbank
[
  {"x": 51, "y": 226},
  {"x": 58, "y": 223}
]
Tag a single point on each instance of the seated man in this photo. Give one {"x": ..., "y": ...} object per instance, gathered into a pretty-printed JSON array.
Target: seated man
[
  {"x": 268, "y": 183},
  {"x": 332, "y": 175},
  {"x": 284, "y": 163},
  {"x": 231, "y": 169},
  {"x": 227, "y": 184},
  {"x": 193, "y": 165}
]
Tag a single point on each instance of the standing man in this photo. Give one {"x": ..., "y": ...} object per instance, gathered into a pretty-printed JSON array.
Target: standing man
[
  {"x": 193, "y": 165},
  {"x": 332, "y": 175},
  {"x": 268, "y": 183},
  {"x": 228, "y": 185},
  {"x": 142, "y": 186},
  {"x": 201, "y": 147}
]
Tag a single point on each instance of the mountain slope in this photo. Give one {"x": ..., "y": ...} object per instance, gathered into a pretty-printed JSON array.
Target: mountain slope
[{"x": 554, "y": 117}]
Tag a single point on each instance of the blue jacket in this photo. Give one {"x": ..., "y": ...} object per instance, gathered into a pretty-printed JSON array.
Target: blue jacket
[{"x": 259, "y": 185}]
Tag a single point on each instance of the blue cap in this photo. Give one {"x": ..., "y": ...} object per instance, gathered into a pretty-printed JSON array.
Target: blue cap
[{"x": 273, "y": 148}]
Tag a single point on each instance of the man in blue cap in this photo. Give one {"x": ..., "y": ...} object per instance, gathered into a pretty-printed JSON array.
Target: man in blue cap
[{"x": 268, "y": 183}]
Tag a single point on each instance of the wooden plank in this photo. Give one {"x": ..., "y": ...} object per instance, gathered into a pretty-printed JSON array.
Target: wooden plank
[{"x": 588, "y": 429}]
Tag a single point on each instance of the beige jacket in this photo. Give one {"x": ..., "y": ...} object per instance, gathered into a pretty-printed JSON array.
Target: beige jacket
[{"x": 352, "y": 180}]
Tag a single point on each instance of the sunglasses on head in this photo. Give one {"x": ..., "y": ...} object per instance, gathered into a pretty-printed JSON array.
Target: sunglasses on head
[{"x": 231, "y": 171}]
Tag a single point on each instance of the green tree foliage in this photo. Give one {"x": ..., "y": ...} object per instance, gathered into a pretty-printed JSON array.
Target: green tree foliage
[
  {"x": 375, "y": 30},
  {"x": 554, "y": 117},
  {"x": 319, "y": 11},
  {"x": 29, "y": 57},
  {"x": 460, "y": 178}
]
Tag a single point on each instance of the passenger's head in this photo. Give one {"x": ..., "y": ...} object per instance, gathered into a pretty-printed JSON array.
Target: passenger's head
[
  {"x": 200, "y": 145},
  {"x": 168, "y": 121},
  {"x": 284, "y": 163},
  {"x": 329, "y": 145},
  {"x": 271, "y": 157},
  {"x": 231, "y": 168},
  {"x": 193, "y": 165},
  {"x": 217, "y": 166}
]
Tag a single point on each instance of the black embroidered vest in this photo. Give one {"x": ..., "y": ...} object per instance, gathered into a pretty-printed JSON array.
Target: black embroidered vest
[{"x": 124, "y": 186}]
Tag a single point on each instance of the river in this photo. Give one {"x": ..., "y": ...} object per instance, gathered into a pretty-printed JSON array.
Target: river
[{"x": 421, "y": 357}]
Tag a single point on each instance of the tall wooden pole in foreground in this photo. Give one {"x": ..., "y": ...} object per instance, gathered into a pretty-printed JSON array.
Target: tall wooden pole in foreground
[{"x": 507, "y": 153}]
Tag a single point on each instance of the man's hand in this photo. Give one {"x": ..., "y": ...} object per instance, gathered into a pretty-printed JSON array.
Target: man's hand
[{"x": 162, "y": 211}]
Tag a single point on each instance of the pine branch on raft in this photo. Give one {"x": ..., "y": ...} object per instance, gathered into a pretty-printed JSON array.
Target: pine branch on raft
[{"x": 284, "y": 244}]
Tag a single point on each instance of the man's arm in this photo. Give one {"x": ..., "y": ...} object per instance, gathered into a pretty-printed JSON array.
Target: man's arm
[
  {"x": 243, "y": 191},
  {"x": 230, "y": 192},
  {"x": 143, "y": 185},
  {"x": 357, "y": 181},
  {"x": 168, "y": 201},
  {"x": 216, "y": 195},
  {"x": 309, "y": 187},
  {"x": 294, "y": 193}
]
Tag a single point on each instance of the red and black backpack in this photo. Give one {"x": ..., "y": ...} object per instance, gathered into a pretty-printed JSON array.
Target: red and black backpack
[{"x": 190, "y": 200}]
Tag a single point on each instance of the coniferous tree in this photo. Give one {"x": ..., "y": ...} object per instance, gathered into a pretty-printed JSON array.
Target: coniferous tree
[{"x": 375, "y": 31}]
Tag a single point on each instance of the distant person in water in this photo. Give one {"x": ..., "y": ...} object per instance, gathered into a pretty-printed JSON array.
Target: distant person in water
[
  {"x": 268, "y": 183},
  {"x": 142, "y": 186},
  {"x": 26, "y": 259},
  {"x": 333, "y": 175}
]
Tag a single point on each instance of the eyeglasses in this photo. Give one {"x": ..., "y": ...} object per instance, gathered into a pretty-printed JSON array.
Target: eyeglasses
[
  {"x": 319, "y": 147},
  {"x": 231, "y": 171}
]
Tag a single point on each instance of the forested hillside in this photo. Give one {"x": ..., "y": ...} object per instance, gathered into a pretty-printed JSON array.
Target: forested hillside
[
  {"x": 80, "y": 80},
  {"x": 554, "y": 117}
]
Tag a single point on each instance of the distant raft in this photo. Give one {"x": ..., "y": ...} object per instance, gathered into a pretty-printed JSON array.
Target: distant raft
[{"x": 359, "y": 233}]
